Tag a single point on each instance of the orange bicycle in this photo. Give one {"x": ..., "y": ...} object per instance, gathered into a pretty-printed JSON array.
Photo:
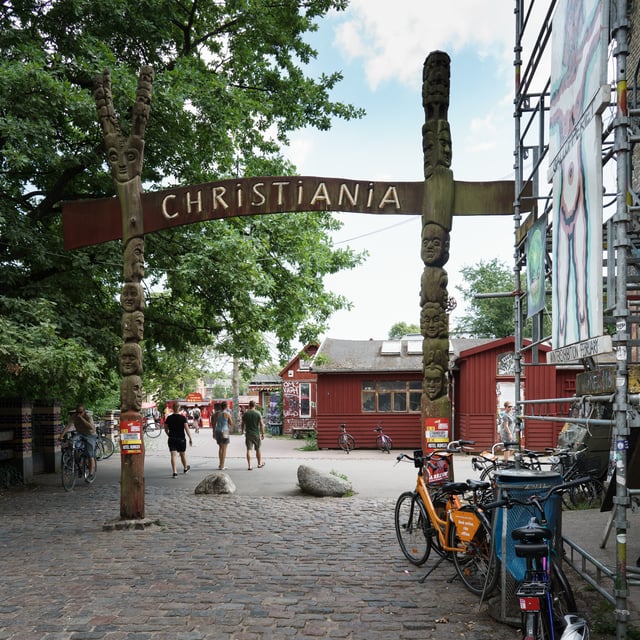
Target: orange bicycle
[{"x": 438, "y": 516}]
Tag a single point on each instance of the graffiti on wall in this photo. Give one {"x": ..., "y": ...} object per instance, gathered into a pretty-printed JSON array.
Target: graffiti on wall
[{"x": 291, "y": 399}]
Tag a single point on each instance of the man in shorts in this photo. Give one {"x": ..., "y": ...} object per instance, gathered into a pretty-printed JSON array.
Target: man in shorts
[
  {"x": 82, "y": 423},
  {"x": 253, "y": 428}
]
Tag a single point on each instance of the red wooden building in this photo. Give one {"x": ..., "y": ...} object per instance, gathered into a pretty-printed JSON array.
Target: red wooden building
[
  {"x": 370, "y": 382},
  {"x": 364, "y": 383},
  {"x": 299, "y": 406},
  {"x": 483, "y": 377}
]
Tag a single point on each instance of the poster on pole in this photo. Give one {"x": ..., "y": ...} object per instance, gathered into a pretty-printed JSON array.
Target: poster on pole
[{"x": 130, "y": 436}]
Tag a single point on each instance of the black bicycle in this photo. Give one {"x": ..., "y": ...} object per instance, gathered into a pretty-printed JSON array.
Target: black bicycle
[
  {"x": 104, "y": 445},
  {"x": 547, "y": 604},
  {"x": 345, "y": 440},
  {"x": 572, "y": 464},
  {"x": 75, "y": 461},
  {"x": 152, "y": 427}
]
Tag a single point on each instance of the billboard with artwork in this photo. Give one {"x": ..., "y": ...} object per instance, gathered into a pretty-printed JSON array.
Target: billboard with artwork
[{"x": 579, "y": 93}]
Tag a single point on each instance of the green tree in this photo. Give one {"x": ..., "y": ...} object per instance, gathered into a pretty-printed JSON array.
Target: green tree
[
  {"x": 230, "y": 86},
  {"x": 486, "y": 317},
  {"x": 400, "y": 329}
]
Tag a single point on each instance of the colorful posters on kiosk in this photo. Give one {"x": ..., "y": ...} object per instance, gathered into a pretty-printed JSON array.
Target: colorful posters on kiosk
[
  {"x": 436, "y": 433},
  {"x": 130, "y": 436}
]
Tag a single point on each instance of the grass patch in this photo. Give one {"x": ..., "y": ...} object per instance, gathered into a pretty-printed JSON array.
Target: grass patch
[
  {"x": 602, "y": 622},
  {"x": 335, "y": 473},
  {"x": 310, "y": 443}
]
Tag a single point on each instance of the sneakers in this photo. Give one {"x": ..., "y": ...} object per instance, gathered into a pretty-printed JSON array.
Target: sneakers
[
  {"x": 175, "y": 475},
  {"x": 186, "y": 469}
]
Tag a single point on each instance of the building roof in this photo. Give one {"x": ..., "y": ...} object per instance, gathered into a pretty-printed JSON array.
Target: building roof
[
  {"x": 264, "y": 379},
  {"x": 351, "y": 356}
]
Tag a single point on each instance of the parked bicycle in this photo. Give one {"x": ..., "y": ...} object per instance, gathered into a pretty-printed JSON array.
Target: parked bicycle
[
  {"x": 75, "y": 462},
  {"x": 104, "y": 444},
  {"x": 547, "y": 604},
  {"x": 434, "y": 516},
  {"x": 572, "y": 464},
  {"x": 383, "y": 441},
  {"x": 488, "y": 463},
  {"x": 152, "y": 427},
  {"x": 345, "y": 440}
]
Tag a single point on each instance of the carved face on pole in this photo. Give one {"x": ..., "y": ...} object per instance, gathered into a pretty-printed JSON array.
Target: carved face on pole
[
  {"x": 130, "y": 359},
  {"x": 434, "y": 381},
  {"x": 436, "y": 145},
  {"x": 124, "y": 156},
  {"x": 436, "y": 79},
  {"x": 134, "y": 260},
  {"x": 133, "y": 326},
  {"x": 433, "y": 321},
  {"x": 131, "y": 393},
  {"x": 433, "y": 286},
  {"x": 435, "y": 245},
  {"x": 131, "y": 298}
]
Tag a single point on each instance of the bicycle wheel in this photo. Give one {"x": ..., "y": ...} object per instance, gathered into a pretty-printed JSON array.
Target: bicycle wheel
[
  {"x": 152, "y": 429},
  {"x": 582, "y": 496},
  {"x": 107, "y": 447},
  {"x": 346, "y": 442},
  {"x": 67, "y": 468},
  {"x": 384, "y": 443},
  {"x": 85, "y": 466},
  {"x": 412, "y": 523},
  {"x": 98, "y": 450},
  {"x": 476, "y": 565},
  {"x": 562, "y": 596}
]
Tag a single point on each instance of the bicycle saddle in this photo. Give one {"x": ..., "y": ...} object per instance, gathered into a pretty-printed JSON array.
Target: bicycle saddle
[
  {"x": 532, "y": 533},
  {"x": 478, "y": 485},
  {"x": 455, "y": 488}
]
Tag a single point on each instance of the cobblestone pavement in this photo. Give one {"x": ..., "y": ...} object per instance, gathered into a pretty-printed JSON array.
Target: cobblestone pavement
[{"x": 238, "y": 567}]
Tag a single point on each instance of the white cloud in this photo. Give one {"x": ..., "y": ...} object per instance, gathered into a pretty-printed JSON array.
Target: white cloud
[
  {"x": 392, "y": 37},
  {"x": 381, "y": 46}
]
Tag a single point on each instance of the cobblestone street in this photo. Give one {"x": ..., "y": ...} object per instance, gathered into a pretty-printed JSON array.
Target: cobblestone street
[{"x": 219, "y": 567}]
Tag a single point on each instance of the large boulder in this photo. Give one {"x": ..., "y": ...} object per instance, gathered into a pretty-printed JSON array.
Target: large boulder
[
  {"x": 321, "y": 484},
  {"x": 216, "y": 483}
]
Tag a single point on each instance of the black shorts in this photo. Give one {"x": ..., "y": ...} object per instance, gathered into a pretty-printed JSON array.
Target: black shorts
[
  {"x": 221, "y": 438},
  {"x": 177, "y": 444}
]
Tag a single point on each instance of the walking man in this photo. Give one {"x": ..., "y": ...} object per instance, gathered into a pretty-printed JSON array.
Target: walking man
[{"x": 253, "y": 428}]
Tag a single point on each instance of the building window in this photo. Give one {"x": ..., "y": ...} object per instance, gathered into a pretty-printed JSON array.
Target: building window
[
  {"x": 305, "y": 400},
  {"x": 394, "y": 396}
]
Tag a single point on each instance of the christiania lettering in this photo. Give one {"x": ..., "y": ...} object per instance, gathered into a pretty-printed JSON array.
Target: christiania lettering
[{"x": 261, "y": 196}]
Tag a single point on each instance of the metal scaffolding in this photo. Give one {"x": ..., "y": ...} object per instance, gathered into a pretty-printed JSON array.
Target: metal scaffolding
[{"x": 621, "y": 242}]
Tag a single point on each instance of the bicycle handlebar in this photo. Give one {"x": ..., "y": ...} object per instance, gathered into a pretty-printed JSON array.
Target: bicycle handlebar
[
  {"x": 534, "y": 500},
  {"x": 452, "y": 447}
]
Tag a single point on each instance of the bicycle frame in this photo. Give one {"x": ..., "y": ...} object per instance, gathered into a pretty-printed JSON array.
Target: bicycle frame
[{"x": 452, "y": 503}]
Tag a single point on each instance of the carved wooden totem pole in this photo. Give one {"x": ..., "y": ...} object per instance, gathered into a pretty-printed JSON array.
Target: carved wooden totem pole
[
  {"x": 437, "y": 212},
  {"x": 125, "y": 156}
]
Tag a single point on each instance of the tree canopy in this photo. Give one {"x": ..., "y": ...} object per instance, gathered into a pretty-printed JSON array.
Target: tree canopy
[
  {"x": 400, "y": 329},
  {"x": 230, "y": 85},
  {"x": 486, "y": 317}
]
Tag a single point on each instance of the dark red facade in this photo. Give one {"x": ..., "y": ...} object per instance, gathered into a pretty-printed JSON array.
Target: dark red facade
[
  {"x": 340, "y": 400},
  {"x": 477, "y": 375}
]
